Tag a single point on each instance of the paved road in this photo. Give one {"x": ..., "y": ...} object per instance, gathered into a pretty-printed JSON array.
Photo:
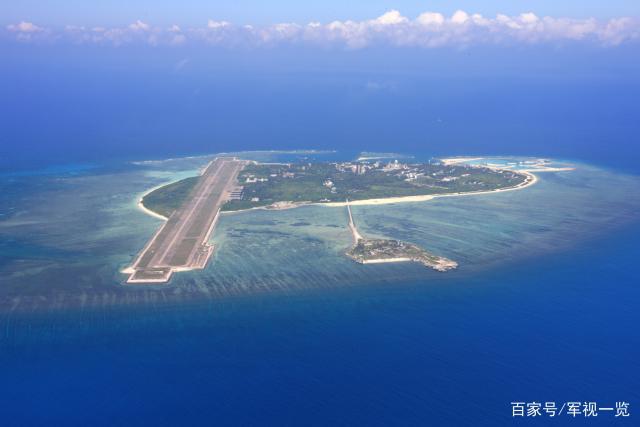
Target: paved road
[
  {"x": 181, "y": 243},
  {"x": 352, "y": 226}
]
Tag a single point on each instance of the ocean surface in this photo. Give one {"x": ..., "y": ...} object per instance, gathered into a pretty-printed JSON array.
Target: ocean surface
[{"x": 283, "y": 329}]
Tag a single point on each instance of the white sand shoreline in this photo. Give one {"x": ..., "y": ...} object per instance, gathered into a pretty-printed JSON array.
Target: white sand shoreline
[
  {"x": 144, "y": 209},
  {"x": 385, "y": 260},
  {"x": 154, "y": 214},
  {"x": 150, "y": 212},
  {"x": 455, "y": 160},
  {"x": 531, "y": 180}
]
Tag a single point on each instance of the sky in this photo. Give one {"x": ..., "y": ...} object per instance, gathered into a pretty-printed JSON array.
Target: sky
[
  {"x": 86, "y": 81},
  {"x": 392, "y": 29},
  {"x": 260, "y": 12}
]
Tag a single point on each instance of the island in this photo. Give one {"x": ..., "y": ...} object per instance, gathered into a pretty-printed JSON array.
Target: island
[
  {"x": 376, "y": 251},
  {"x": 191, "y": 207},
  {"x": 277, "y": 185}
]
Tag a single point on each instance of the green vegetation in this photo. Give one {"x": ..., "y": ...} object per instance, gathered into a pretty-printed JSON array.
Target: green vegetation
[
  {"x": 165, "y": 200},
  {"x": 381, "y": 250},
  {"x": 265, "y": 184}
]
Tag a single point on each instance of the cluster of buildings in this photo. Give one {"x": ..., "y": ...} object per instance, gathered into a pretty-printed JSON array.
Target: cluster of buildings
[
  {"x": 408, "y": 172},
  {"x": 330, "y": 185},
  {"x": 362, "y": 168},
  {"x": 236, "y": 193},
  {"x": 252, "y": 179},
  {"x": 356, "y": 168}
]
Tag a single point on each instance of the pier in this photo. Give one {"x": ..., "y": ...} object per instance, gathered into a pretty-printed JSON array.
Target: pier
[{"x": 352, "y": 226}]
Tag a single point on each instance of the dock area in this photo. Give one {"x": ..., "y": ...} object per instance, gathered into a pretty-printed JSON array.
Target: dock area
[
  {"x": 181, "y": 243},
  {"x": 381, "y": 251}
]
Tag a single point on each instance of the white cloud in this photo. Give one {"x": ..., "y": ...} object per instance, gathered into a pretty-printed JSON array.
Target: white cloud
[
  {"x": 24, "y": 27},
  {"x": 529, "y": 18},
  {"x": 217, "y": 24},
  {"x": 430, "y": 18},
  {"x": 392, "y": 17},
  {"x": 27, "y": 32},
  {"x": 460, "y": 17},
  {"x": 429, "y": 29},
  {"x": 140, "y": 26},
  {"x": 620, "y": 30}
]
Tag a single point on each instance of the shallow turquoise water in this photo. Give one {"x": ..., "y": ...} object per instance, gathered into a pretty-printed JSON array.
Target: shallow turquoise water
[{"x": 66, "y": 236}]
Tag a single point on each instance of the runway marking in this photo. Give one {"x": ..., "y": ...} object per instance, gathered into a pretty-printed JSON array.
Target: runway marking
[{"x": 181, "y": 243}]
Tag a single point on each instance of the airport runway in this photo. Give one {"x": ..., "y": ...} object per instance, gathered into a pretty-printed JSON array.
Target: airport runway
[{"x": 181, "y": 243}]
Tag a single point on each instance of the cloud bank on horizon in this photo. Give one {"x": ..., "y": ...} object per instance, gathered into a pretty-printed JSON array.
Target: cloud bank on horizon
[{"x": 428, "y": 30}]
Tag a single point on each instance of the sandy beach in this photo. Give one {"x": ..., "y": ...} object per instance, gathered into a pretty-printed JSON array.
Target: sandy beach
[
  {"x": 547, "y": 169},
  {"x": 383, "y": 201},
  {"x": 455, "y": 160},
  {"x": 385, "y": 260},
  {"x": 149, "y": 211},
  {"x": 531, "y": 179},
  {"x": 142, "y": 207}
]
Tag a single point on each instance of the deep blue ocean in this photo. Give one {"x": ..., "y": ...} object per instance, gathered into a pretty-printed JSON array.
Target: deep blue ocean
[
  {"x": 406, "y": 354},
  {"x": 557, "y": 325}
]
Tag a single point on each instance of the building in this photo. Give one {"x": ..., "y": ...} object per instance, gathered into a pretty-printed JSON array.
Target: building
[{"x": 236, "y": 193}]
